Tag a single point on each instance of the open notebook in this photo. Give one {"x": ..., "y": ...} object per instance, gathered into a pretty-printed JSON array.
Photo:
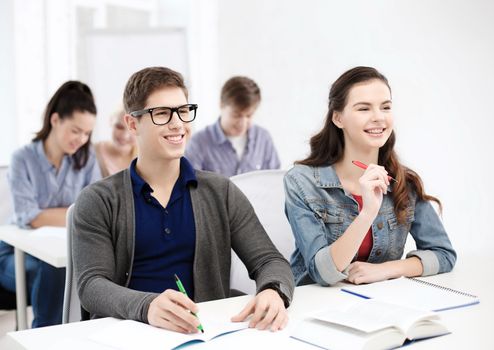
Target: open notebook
[
  {"x": 368, "y": 324},
  {"x": 136, "y": 335},
  {"x": 413, "y": 292}
]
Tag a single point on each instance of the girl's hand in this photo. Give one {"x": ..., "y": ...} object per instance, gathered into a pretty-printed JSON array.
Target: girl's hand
[
  {"x": 363, "y": 272},
  {"x": 373, "y": 184}
]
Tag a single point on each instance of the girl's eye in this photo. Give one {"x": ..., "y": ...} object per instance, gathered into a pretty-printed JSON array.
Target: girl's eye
[{"x": 363, "y": 109}]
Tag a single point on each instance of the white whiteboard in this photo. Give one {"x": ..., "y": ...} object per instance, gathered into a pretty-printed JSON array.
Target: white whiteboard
[{"x": 110, "y": 57}]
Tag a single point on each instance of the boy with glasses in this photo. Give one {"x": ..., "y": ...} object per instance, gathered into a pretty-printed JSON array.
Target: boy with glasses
[
  {"x": 135, "y": 230},
  {"x": 234, "y": 145}
]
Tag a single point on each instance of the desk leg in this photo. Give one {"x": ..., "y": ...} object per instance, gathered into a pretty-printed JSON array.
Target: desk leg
[{"x": 20, "y": 289}]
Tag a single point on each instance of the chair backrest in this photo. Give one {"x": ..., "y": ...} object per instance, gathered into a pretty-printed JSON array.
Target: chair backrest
[
  {"x": 265, "y": 191},
  {"x": 6, "y": 207},
  {"x": 71, "y": 302}
]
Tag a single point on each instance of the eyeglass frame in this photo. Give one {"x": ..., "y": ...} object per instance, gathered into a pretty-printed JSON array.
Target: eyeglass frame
[{"x": 192, "y": 106}]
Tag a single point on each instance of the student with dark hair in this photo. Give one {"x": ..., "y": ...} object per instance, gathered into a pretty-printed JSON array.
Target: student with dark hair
[
  {"x": 234, "y": 145},
  {"x": 353, "y": 224},
  {"x": 45, "y": 178},
  {"x": 134, "y": 230}
]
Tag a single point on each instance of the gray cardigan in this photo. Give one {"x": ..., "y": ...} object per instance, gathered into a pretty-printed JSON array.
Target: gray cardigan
[{"x": 103, "y": 245}]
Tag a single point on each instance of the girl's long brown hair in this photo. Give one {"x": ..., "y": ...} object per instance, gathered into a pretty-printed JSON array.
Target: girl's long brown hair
[
  {"x": 70, "y": 97},
  {"x": 327, "y": 146}
]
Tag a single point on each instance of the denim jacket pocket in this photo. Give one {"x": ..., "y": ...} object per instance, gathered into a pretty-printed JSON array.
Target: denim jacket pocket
[
  {"x": 398, "y": 234},
  {"x": 332, "y": 220}
]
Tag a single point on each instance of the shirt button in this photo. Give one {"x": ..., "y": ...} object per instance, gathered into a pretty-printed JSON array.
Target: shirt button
[
  {"x": 148, "y": 200},
  {"x": 127, "y": 274},
  {"x": 380, "y": 225},
  {"x": 378, "y": 252},
  {"x": 167, "y": 231}
]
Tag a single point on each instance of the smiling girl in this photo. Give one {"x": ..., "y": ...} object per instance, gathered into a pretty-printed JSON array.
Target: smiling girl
[
  {"x": 45, "y": 178},
  {"x": 352, "y": 224}
]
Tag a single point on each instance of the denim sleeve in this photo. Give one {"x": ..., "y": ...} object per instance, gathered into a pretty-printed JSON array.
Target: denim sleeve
[
  {"x": 22, "y": 187},
  {"x": 310, "y": 237},
  {"x": 434, "y": 248},
  {"x": 93, "y": 170},
  {"x": 194, "y": 154}
]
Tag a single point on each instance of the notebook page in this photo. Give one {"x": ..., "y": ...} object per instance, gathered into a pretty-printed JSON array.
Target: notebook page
[
  {"x": 127, "y": 335},
  {"x": 413, "y": 293}
]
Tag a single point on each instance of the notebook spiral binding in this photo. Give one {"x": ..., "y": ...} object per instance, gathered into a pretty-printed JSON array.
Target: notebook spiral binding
[{"x": 430, "y": 284}]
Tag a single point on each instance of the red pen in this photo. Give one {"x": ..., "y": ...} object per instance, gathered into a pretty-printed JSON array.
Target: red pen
[{"x": 363, "y": 166}]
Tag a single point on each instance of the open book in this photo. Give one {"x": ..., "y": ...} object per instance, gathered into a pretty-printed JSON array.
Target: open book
[
  {"x": 136, "y": 335},
  {"x": 368, "y": 324},
  {"x": 413, "y": 292}
]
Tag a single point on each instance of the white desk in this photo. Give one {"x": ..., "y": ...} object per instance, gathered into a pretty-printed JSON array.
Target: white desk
[
  {"x": 470, "y": 326},
  {"x": 48, "y": 244}
]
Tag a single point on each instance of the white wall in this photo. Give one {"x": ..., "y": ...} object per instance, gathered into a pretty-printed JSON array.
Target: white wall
[
  {"x": 45, "y": 42},
  {"x": 7, "y": 87},
  {"x": 437, "y": 55}
]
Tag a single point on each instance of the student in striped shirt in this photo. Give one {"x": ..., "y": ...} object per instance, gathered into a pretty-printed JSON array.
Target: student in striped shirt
[{"x": 233, "y": 144}]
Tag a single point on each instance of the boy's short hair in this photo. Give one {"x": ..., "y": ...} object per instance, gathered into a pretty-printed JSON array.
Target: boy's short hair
[
  {"x": 241, "y": 92},
  {"x": 146, "y": 81}
]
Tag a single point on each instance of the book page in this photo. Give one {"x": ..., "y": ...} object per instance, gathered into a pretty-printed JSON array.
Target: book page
[
  {"x": 404, "y": 291},
  {"x": 370, "y": 315},
  {"x": 336, "y": 337},
  {"x": 137, "y": 335}
]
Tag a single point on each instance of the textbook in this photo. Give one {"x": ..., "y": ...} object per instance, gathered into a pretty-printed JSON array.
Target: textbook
[
  {"x": 137, "y": 335},
  {"x": 368, "y": 324},
  {"x": 414, "y": 292}
]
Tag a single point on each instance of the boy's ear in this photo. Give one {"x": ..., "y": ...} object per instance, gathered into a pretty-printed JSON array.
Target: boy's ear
[
  {"x": 337, "y": 119},
  {"x": 131, "y": 123}
]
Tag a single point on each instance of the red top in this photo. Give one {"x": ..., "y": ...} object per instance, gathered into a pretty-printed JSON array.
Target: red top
[{"x": 366, "y": 246}]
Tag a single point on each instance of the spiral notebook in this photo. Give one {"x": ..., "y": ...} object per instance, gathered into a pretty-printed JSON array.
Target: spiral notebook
[{"x": 415, "y": 293}]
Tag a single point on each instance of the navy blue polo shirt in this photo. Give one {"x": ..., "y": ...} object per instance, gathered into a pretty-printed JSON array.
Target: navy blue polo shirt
[{"x": 164, "y": 237}]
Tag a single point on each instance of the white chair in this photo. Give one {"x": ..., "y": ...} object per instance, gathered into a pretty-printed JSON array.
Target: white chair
[
  {"x": 71, "y": 302},
  {"x": 265, "y": 191}
]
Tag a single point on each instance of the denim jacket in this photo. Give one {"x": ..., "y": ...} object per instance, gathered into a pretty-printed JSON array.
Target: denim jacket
[{"x": 319, "y": 211}]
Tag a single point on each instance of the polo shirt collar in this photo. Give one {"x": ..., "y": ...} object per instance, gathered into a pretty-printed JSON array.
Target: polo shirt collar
[{"x": 187, "y": 177}]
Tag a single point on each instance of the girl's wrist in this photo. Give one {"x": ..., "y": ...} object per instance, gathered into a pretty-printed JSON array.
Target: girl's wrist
[{"x": 367, "y": 216}]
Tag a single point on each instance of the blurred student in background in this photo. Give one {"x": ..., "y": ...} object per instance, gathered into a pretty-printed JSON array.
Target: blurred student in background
[
  {"x": 234, "y": 145},
  {"x": 45, "y": 178},
  {"x": 116, "y": 154}
]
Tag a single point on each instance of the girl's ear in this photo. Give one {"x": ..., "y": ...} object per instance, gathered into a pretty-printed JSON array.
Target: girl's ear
[
  {"x": 337, "y": 119},
  {"x": 54, "y": 119}
]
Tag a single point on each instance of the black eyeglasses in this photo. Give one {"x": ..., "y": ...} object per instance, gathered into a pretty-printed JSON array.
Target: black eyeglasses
[{"x": 163, "y": 115}]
